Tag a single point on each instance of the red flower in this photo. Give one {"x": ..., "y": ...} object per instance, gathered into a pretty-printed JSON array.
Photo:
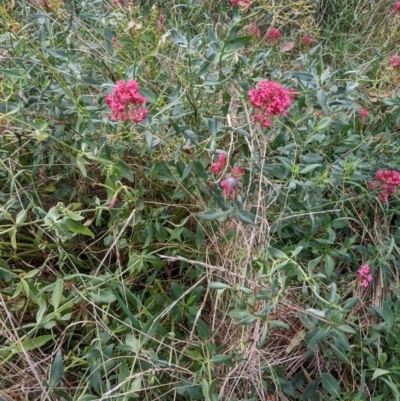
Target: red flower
[
  {"x": 308, "y": 39},
  {"x": 387, "y": 181},
  {"x": 270, "y": 99},
  {"x": 273, "y": 35},
  {"x": 364, "y": 276},
  {"x": 363, "y": 113},
  {"x": 126, "y": 102},
  {"x": 240, "y": 3},
  {"x": 231, "y": 185},
  {"x": 396, "y": 7},
  {"x": 254, "y": 30},
  {"x": 219, "y": 165},
  {"x": 395, "y": 61}
]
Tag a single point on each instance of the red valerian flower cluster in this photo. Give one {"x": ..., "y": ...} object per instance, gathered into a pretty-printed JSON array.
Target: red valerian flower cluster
[
  {"x": 364, "y": 276},
  {"x": 231, "y": 185},
  {"x": 396, "y": 7},
  {"x": 217, "y": 167},
  {"x": 387, "y": 181},
  {"x": 254, "y": 30},
  {"x": 126, "y": 102},
  {"x": 273, "y": 35},
  {"x": 240, "y": 3},
  {"x": 269, "y": 99},
  {"x": 395, "y": 61},
  {"x": 308, "y": 40},
  {"x": 363, "y": 113}
]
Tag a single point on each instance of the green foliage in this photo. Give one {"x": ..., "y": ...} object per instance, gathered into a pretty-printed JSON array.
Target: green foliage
[{"x": 126, "y": 270}]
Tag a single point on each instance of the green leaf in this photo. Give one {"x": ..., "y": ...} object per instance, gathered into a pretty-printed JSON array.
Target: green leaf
[
  {"x": 202, "y": 330},
  {"x": 102, "y": 297},
  {"x": 5, "y": 272},
  {"x": 57, "y": 293},
  {"x": 309, "y": 168},
  {"x": 8, "y": 73},
  {"x": 380, "y": 372},
  {"x": 329, "y": 265},
  {"x": 178, "y": 38},
  {"x": 218, "y": 286},
  {"x": 108, "y": 35},
  {"x": 325, "y": 123},
  {"x": 346, "y": 328},
  {"x": 312, "y": 158},
  {"x": 150, "y": 96},
  {"x": 205, "y": 387},
  {"x": 149, "y": 142},
  {"x": 31, "y": 344},
  {"x": 237, "y": 43},
  {"x": 331, "y": 385},
  {"x": 78, "y": 228},
  {"x": 199, "y": 236},
  {"x": 57, "y": 369},
  {"x": 243, "y": 132},
  {"x": 246, "y": 217},
  {"x": 213, "y": 214},
  {"x": 213, "y": 125},
  {"x": 191, "y": 136},
  {"x": 58, "y": 54},
  {"x": 226, "y": 359},
  {"x": 315, "y": 337}
]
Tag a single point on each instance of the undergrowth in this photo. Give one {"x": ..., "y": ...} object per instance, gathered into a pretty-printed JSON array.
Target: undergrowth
[{"x": 199, "y": 200}]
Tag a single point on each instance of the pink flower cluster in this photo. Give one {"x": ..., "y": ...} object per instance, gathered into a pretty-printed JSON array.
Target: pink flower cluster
[
  {"x": 115, "y": 43},
  {"x": 160, "y": 22},
  {"x": 308, "y": 40},
  {"x": 254, "y": 30},
  {"x": 396, "y": 7},
  {"x": 126, "y": 102},
  {"x": 363, "y": 113},
  {"x": 217, "y": 167},
  {"x": 395, "y": 61},
  {"x": 240, "y": 3},
  {"x": 364, "y": 275},
  {"x": 387, "y": 181},
  {"x": 273, "y": 35},
  {"x": 230, "y": 186},
  {"x": 269, "y": 99}
]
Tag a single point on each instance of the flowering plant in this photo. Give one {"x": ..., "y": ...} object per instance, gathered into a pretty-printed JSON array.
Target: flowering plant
[
  {"x": 269, "y": 99},
  {"x": 387, "y": 181},
  {"x": 364, "y": 276},
  {"x": 126, "y": 102}
]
